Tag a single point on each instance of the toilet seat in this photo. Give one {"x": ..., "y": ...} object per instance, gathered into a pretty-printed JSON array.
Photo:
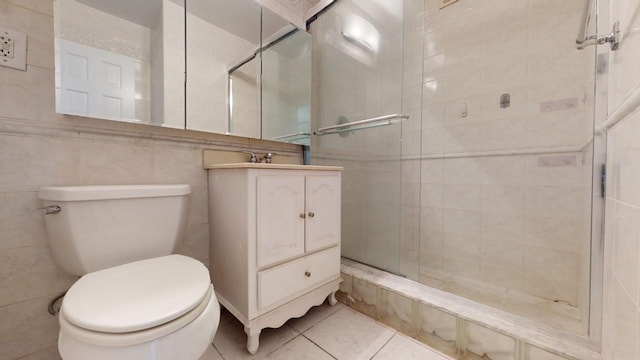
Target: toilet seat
[
  {"x": 135, "y": 337},
  {"x": 137, "y": 296}
]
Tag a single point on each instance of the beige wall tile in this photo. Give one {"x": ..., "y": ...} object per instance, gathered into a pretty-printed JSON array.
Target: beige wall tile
[
  {"x": 29, "y": 272},
  {"x": 21, "y": 222},
  {"x": 26, "y": 328}
]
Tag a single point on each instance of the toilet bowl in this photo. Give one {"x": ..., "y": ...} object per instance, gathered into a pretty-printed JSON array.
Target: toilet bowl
[
  {"x": 134, "y": 299},
  {"x": 161, "y": 308}
]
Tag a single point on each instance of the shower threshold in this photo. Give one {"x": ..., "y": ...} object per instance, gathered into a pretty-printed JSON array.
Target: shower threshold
[{"x": 452, "y": 324}]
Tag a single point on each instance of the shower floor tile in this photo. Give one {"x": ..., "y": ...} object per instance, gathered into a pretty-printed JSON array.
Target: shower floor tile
[
  {"x": 557, "y": 315},
  {"x": 324, "y": 333}
]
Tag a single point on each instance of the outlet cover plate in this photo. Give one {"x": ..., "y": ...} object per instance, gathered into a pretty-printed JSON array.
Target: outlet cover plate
[{"x": 13, "y": 49}]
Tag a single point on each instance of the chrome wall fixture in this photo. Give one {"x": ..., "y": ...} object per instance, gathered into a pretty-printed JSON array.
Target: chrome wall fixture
[{"x": 583, "y": 40}]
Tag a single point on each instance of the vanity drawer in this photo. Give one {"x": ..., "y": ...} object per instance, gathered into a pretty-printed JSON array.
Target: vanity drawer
[{"x": 283, "y": 281}]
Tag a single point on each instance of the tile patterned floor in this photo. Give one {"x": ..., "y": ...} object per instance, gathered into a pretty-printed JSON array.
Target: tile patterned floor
[{"x": 324, "y": 333}]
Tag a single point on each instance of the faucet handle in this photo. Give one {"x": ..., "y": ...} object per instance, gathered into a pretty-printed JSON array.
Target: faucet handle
[
  {"x": 253, "y": 158},
  {"x": 268, "y": 157}
]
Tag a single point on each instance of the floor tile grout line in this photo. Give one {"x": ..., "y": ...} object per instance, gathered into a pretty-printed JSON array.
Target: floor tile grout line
[
  {"x": 385, "y": 344},
  {"x": 320, "y": 347},
  {"x": 218, "y": 351},
  {"x": 319, "y": 321},
  {"x": 285, "y": 343}
]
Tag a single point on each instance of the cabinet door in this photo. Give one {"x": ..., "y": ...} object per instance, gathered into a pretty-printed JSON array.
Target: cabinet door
[
  {"x": 323, "y": 211},
  {"x": 280, "y": 218}
]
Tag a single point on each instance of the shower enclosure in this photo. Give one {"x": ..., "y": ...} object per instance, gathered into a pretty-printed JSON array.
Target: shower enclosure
[{"x": 473, "y": 169}]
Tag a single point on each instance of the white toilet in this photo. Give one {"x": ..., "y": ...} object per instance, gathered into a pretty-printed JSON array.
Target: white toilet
[{"x": 134, "y": 300}]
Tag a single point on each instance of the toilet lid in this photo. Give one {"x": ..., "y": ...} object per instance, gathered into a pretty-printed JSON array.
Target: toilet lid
[{"x": 138, "y": 295}]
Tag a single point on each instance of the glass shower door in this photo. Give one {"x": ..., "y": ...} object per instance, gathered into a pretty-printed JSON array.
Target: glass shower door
[{"x": 358, "y": 68}]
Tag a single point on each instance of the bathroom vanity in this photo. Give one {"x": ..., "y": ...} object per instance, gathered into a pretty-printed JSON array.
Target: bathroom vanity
[{"x": 274, "y": 240}]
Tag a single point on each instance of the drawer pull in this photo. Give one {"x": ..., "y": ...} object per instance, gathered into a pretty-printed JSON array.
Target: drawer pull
[
  {"x": 307, "y": 274},
  {"x": 302, "y": 216},
  {"x": 311, "y": 214}
]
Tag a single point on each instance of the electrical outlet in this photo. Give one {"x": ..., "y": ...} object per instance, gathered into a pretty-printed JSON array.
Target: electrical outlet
[{"x": 13, "y": 49}]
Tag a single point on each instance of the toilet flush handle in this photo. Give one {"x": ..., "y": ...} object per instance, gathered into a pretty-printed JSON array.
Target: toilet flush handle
[{"x": 51, "y": 209}]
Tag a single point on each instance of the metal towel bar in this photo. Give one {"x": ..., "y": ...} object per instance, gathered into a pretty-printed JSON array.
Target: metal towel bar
[{"x": 372, "y": 122}]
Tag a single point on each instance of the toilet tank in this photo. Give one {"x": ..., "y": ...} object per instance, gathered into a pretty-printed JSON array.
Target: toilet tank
[{"x": 104, "y": 226}]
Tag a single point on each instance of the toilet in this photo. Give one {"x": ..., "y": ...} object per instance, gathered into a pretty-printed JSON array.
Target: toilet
[{"x": 135, "y": 299}]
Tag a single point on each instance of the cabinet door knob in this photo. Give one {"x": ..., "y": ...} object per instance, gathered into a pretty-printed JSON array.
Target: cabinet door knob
[
  {"x": 302, "y": 216},
  {"x": 307, "y": 274},
  {"x": 311, "y": 214}
]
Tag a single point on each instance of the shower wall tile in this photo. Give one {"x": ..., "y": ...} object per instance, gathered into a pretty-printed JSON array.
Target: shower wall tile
[
  {"x": 433, "y": 67},
  {"x": 502, "y": 170},
  {"x": 504, "y": 228},
  {"x": 432, "y": 171},
  {"x": 553, "y": 233},
  {"x": 437, "y": 329},
  {"x": 503, "y": 199},
  {"x": 559, "y": 170},
  {"x": 551, "y": 274},
  {"x": 490, "y": 344},
  {"x": 462, "y": 222},
  {"x": 399, "y": 312},
  {"x": 432, "y": 195},
  {"x": 463, "y": 171},
  {"x": 432, "y": 140},
  {"x": 507, "y": 256},
  {"x": 432, "y": 249},
  {"x": 463, "y": 111},
  {"x": 557, "y": 202},
  {"x": 432, "y": 218},
  {"x": 365, "y": 297},
  {"x": 462, "y": 197},
  {"x": 504, "y": 134},
  {"x": 499, "y": 276},
  {"x": 535, "y": 353},
  {"x": 625, "y": 257}
]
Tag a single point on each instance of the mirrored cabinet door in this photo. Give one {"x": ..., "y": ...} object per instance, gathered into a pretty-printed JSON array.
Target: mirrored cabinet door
[
  {"x": 121, "y": 60},
  {"x": 224, "y": 66}
]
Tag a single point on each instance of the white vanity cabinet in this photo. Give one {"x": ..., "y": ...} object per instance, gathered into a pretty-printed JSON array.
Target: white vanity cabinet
[{"x": 274, "y": 234}]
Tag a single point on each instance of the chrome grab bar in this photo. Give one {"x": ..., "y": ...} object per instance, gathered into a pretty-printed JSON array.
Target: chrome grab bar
[
  {"x": 583, "y": 40},
  {"x": 281, "y": 137},
  {"x": 387, "y": 120}
]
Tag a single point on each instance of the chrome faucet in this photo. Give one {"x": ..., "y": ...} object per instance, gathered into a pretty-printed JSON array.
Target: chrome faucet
[
  {"x": 268, "y": 157},
  {"x": 253, "y": 158}
]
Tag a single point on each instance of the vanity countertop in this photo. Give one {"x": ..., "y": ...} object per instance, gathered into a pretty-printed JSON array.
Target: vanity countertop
[{"x": 248, "y": 165}]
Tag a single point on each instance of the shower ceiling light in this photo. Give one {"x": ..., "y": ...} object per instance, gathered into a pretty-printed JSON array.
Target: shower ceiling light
[{"x": 360, "y": 32}]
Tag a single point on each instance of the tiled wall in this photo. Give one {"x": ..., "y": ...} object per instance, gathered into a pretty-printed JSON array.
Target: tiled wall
[
  {"x": 621, "y": 320},
  {"x": 516, "y": 219},
  {"x": 41, "y": 148}
]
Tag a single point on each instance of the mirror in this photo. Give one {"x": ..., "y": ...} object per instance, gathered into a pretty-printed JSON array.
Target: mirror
[
  {"x": 248, "y": 71},
  {"x": 286, "y": 88},
  {"x": 245, "y": 79},
  {"x": 121, "y": 60}
]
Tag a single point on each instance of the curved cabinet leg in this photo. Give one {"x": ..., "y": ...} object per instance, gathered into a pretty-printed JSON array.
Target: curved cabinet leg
[
  {"x": 332, "y": 298},
  {"x": 253, "y": 339}
]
